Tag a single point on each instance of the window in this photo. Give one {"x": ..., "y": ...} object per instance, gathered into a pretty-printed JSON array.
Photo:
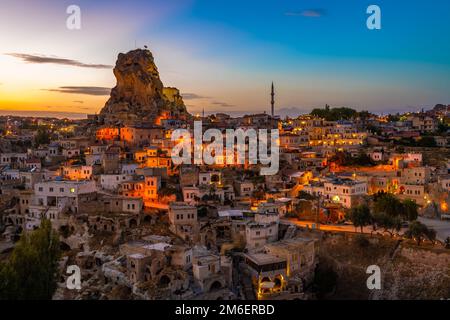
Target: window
[{"x": 61, "y": 189}]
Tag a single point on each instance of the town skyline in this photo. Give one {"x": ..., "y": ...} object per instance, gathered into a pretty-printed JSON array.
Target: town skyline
[
  {"x": 229, "y": 62},
  {"x": 146, "y": 201}
]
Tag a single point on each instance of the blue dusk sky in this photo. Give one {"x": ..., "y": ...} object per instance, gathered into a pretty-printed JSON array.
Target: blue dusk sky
[{"x": 223, "y": 55}]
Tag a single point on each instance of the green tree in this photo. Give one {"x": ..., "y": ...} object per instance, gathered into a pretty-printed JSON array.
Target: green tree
[
  {"x": 388, "y": 203},
  {"x": 167, "y": 191},
  {"x": 42, "y": 137},
  {"x": 304, "y": 208},
  {"x": 427, "y": 142},
  {"x": 202, "y": 211},
  {"x": 419, "y": 232},
  {"x": 442, "y": 128},
  {"x": 394, "y": 117},
  {"x": 375, "y": 130},
  {"x": 31, "y": 271},
  {"x": 334, "y": 114},
  {"x": 410, "y": 212},
  {"x": 388, "y": 222},
  {"x": 345, "y": 159},
  {"x": 305, "y": 195},
  {"x": 364, "y": 115},
  {"x": 360, "y": 216}
]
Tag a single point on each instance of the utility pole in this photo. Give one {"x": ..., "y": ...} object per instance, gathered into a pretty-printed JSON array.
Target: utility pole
[{"x": 272, "y": 100}]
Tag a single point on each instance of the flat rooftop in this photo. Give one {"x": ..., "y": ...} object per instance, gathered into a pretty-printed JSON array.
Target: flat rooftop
[
  {"x": 230, "y": 213},
  {"x": 180, "y": 205},
  {"x": 346, "y": 182},
  {"x": 78, "y": 182},
  {"x": 160, "y": 246},
  {"x": 264, "y": 258},
  {"x": 290, "y": 244}
]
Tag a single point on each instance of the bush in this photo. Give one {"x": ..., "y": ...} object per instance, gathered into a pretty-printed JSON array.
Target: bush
[{"x": 362, "y": 241}]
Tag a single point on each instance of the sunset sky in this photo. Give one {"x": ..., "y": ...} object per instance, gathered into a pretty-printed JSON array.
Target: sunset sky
[{"x": 223, "y": 55}]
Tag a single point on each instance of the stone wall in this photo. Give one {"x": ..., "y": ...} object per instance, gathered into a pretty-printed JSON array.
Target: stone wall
[{"x": 408, "y": 271}]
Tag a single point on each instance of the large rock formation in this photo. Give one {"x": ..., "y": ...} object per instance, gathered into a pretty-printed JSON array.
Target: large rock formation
[{"x": 139, "y": 94}]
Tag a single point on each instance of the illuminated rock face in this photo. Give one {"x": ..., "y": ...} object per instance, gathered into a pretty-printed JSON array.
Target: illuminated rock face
[{"x": 139, "y": 94}]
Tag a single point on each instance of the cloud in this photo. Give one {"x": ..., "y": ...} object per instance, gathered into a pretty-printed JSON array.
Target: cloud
[
  {"x": 59, "y": 107},
  {"x": 310, "y": 13},
  {"x": 191, "y": 96},
  {"x": 209, "y": 100},
  {"x": 222, "y": 104},
  {"x": 30, "y": 58},
  {"x": 92, "y": 91}
]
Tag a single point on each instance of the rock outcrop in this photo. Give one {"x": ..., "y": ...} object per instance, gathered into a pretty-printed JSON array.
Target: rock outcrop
[
  {"x": 408, "y": 271},
  {"x": 139, "y": 94}
]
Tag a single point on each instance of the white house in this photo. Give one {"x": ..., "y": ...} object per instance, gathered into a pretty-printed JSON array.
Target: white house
[
  {"x": 52, "y": 198},
  {"x": 111, "y": 182},
  {"x": 344, "y": 191}
]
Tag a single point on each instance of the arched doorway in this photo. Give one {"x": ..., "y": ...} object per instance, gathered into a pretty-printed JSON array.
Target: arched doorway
[
  {"x": 164, "y": 281},
  {"x": 278, "y": 283},
  {"x": 64, "y": 246},
  {"x": 216, "y": 285}
]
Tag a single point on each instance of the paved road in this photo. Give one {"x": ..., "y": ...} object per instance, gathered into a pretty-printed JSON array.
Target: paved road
[
  {"x": 330, "y": 227},
  {"x": 442, "y": 227}
]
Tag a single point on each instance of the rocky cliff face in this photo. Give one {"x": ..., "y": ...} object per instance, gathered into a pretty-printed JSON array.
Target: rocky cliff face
[
  {"x": 407, "y": 271},
  {"x": 139, "y": 94}
]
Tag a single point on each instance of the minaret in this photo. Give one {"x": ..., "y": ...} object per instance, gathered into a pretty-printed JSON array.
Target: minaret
[{"x": 272, "y": 101}]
